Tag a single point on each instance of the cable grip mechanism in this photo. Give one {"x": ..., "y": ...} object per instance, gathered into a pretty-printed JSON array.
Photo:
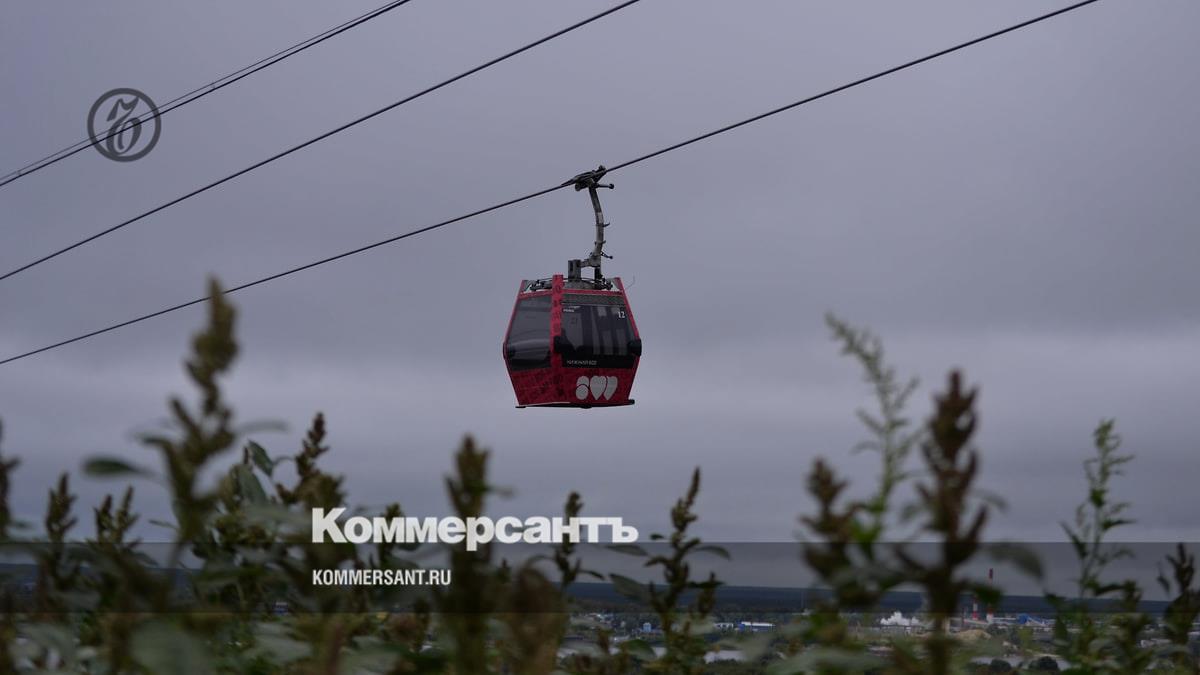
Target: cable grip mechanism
[{"x": 590, "y": 181}]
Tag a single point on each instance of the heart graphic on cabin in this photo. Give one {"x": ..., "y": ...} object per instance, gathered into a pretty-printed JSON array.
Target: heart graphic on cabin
[{"x": 599, "y": 386}]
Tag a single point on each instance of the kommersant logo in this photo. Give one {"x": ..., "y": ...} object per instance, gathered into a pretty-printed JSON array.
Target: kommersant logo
[
  {"x": 473, "y": 531},
  {"x": 124, "y": 124}
]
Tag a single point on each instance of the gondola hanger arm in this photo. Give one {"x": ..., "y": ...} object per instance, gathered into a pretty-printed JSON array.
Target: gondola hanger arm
[{"x": 590, "y": 181}]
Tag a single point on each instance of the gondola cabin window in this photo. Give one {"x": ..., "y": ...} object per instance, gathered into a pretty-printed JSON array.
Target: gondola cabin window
[
  {"x": 598, "y": 330},
  {"x": 529, "y": 340}
]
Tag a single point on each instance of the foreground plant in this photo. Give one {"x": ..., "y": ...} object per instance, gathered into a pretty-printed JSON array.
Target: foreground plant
[
  {"x": 1183, "y": 610},
  {"x": 1092, "y": 645},
  {"x": 846, "y": 553},
  {"x": 232, "y": 591},
  {"x": 951, "y": 516},
  {"x": 683, "y": 624}
]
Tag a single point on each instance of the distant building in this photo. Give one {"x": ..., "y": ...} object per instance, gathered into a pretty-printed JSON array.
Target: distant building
[{"x": 899, "y": 620}]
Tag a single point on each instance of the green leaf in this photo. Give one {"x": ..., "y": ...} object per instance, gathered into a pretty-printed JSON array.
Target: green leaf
[
  {"x": 166, "y": 648},
  {"x": 756, "y": 645},
  {"x": 715, "y": 550},
  {"x": 248, "y": 485},
  {"x": 163, "y": 523},
  {"x": 630, "y": 588},
  {"x": 58, "y": 639},
  {"x": 639, "y": 649},
  {"x": 260, "y": 458},
  {"x": 987, "y": 594},
  {"x": 111, "y": 466}
]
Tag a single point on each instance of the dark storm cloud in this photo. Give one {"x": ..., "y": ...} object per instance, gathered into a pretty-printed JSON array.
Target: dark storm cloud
[{"x": 1024, "y": 210}]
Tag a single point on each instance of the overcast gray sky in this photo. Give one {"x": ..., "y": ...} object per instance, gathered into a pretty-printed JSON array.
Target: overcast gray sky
[{"x": 1024, "y": 210}]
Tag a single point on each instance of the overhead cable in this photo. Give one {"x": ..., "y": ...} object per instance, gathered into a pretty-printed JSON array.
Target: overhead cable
[
  {"x": 201, "y": 92},
  {"x": 556, "y": 187}
]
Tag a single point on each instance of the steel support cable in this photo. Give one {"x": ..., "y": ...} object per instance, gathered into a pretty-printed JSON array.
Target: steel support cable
[
  {"x": 855, "y": 83},
  {"x": 548, "y": 190},
  {"x": 201, "y": 92},
  {"x": 327, "y": 134},
  {"x": 294, "y": 270}
]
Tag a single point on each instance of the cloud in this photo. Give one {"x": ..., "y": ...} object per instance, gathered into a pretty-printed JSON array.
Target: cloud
[{"x": 1024, "y": 210}]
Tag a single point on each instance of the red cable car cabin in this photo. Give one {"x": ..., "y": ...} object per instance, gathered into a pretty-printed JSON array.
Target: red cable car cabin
[
  {"x": 593, "y": 355},
  {"x": 571, "y": 341}
]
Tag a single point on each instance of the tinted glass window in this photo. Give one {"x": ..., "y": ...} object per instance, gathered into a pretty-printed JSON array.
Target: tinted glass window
[
  {"x": 598, "y": 329},
  {"x": 528, "y": 343}
]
